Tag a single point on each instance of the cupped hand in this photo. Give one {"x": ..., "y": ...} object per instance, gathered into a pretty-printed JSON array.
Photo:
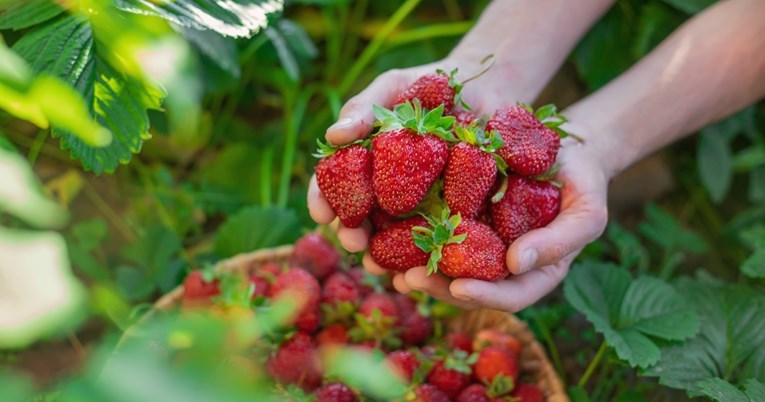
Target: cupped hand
[{"x": 539, "y": 260}]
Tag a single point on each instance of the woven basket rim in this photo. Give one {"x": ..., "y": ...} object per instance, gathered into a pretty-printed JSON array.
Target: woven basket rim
[{"x": 534, "y": 358}]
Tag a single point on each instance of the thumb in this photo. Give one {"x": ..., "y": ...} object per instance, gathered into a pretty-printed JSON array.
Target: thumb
[{"x": 356, "y": 116}]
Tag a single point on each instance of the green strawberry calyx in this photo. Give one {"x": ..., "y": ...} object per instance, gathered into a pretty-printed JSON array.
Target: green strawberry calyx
[
  {"x": 549, "y": 176},
  {"x": 325, "y": 149},
  {"x": 489, "y": 142},
  {"x": 486, "y": 64},
  {"x": 441, "y": 232},
  {"x": 499, "y": 386},
  {"x": 411, "y": 116},
  {"x": 549, "y": 116}
]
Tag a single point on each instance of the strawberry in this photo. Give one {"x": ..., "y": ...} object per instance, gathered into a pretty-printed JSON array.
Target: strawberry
[
  {"x": 451, "y": 379},
  {"x": 459, "y": 341},
  {"x": 527, "y": 393},
  {"x": 308, "y": 320},
  {"x": 473, "y": 393},
  {"x": 378, "y": 301},
  {"x": 260, "y": 285},
  {"x": 334, "y": 392},
  {"x": 432, "y": 90},
  {"x": 316, "y": 254},
  {"x": 415, "y": 327},
  {"x": 380, "y": 219},
  {"x": 345, "y": 178},
  {"x": 471, "y": 170},
  {"x": 458, "y": 249},
  {"x": 296, "y": 362},
  {"x": 527, "y": 204},
  {"x": 394, "y": 248},
  {"x": 464, "y": 118},
  {"x": 428, "y": 393},
  {"x": 376, "y": 322},
  {"x": 494, "y": 361},
  {"x": 404, "y": 363},
  {"x": 301, "y": 285},
  {"x": 197, "y": 286},
  {"x": 492, "y": 337},
  {"x": 531, "y": 139},
  {"x": 339, "y": 287},
  {"x": 366, "y": 282},
  {"x": 409, "y": 153},
  {"x": 333, "y": 334},
  {"x": 269, "y": 271}
]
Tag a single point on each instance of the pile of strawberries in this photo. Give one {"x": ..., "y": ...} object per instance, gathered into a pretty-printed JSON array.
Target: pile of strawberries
[
  {"x": 442, "y": 187},
  {"x": 345, "y": 307}
]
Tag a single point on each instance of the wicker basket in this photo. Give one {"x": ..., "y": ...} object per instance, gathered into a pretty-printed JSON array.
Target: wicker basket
[{"x": 533, "y": 358}]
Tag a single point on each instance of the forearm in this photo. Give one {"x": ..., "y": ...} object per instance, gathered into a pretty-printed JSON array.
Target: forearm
[
  {"x": 708, "y": 69},
  {"x": 530, "y": 38}
]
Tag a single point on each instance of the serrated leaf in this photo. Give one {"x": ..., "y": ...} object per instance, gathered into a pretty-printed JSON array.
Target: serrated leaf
[
  {"x": 629, "y": 313},
  {"x": 24, "y": 14},
  {"x": 237, "y": 18},
  {"x": 731, "y": 341},
  {"x": 65, "y": 49},
  {"x": 631, "y": 252},
  {"x": 715, "y": 164},
  {"x": 218, "y": 49},
  {"x": 754, "y": 266},
  {"x": 720, "y": 390},
  {"x": 254, "y": 228},
  {"x": 663, "y": 229}
]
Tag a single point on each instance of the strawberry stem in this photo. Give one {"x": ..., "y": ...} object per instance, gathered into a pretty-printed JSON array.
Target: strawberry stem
[
  {"x": 487, "y": 63},
  {"x": 501, "y": 193}
]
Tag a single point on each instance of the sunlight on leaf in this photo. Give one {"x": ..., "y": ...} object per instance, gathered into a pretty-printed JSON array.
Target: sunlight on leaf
[{"x": 38, "y": 293}]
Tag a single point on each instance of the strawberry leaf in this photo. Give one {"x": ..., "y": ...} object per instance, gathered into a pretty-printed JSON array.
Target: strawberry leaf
[{"x": 632, "y": 314}]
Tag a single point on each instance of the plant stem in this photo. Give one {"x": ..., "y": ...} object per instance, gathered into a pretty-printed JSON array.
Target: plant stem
[
  {"x": 293, "y": 118},
  {"x": 374, "y": 46},
  {"x": 593, "y": 365},
  {"x": 431, "y": 31},
  {"x": 266, "y": 164},
  {"x": 551, "y": 346},
  {"x": 34, "y": 151}
]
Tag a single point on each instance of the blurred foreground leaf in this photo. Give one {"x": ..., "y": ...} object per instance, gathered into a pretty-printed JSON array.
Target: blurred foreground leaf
[
  {"x": 23, "y": 14},
  {"x": 255, "y": 228}
]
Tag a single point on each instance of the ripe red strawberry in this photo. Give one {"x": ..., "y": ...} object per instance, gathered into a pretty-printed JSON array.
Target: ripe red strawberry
[
  {"x": 303, "y": 286},
  {"x": 296, "y": 362},
  {"x": 404, "y": 363},
  {"x": 309, "y": 320},
  {"x": 261, "y": 285},
  {"x": 493, "y": 361},
  {"x": 449, "y": 380},
  {"x": 531, "y": 146},
  {"x": 394, "y": 248},
  {"x": 432, "y": 90},
  {"x": 415, "y": 329},
  {"x": 269, "y": 271},
  {"x": 429, "y": 393},
  {"x": 380, "y": 219},
  {"x": 316, "y": 254},
  {"x": 409, "y": 154},
  {"x": 378, "y": 301},
  {"x": 526, "y": 205},
  {"x": 366, "y": 282},
  {"x": 460, "y": 341},
  {"x": 333, "y": 334},
  {"x": 345, "y": 178},
  {"x": 473, "y": 393},
  {"x": 492, "y": 337},
  {"x": 464, "y": 118},
  {"x": 335, "y": 392},
  {"x": 196, "y": 287},
  {"x": 339, "y": 287},
  {"x": 527, "y": 393},
  {"x": 471, "y": 171}
]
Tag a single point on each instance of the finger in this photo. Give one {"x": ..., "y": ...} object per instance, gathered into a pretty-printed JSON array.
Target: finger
[
  {"x": 399, "y": 282},
  {"x": 582, "y": 219},
  {"x": 515, "y": 293},
  {"x": 354, "y": 240},
  {"x": 356, "y": 116},
  {"x": 435, "y": 285},
  {"x": 371, "y": 266},
  {"x": 318, "y": 207}
]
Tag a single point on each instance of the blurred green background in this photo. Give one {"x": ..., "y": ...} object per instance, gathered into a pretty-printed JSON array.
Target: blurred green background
[{"x": 213, "y": 127}]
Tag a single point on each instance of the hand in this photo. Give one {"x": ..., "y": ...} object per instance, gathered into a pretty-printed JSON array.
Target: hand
[
  {"x": 485, "y": 94},
  {"x": 540, "y": 259}
]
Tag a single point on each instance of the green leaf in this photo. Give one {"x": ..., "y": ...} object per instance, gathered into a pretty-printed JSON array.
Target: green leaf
[
  {"x": 655, "y": 22},
  {"x": 730, "y": 344},
  {"x": 24, "y": 14},
  {"x": 629, "y": 313},
  {"x": 286, "y": 56},
  {"x": 237, "y": 18},
  {"x": 690, "y": 6},
  {"x": 16, "y": 388},
  {"x": 65, "y": 49},
  {"x": 661, "y": 228},
  {"x": 721, "y": 390},
  {"x": 755, "y": 390},
  {"x": 754, "y": 266},
  {"x": 715, "y": 164},
  {"x": 218, "y": 49},
  {"x": 631, "y": 252},
  {"x": 254, "y": 228},
  {"x": 757, "y": 184},
  {"x": 154, "y": 250}
]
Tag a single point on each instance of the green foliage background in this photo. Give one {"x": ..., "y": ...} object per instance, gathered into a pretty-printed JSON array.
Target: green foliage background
[{"x": 213, "y": 122}]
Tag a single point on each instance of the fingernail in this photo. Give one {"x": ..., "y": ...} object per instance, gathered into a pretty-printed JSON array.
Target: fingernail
[
  {"x": 462, "y": 297},
  {"x": 528, "y": 259},
  {"x": 340, "y": 124}
]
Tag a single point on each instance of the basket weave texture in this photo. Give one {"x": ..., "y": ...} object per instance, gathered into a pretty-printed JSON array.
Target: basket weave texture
[{"x": 533, "y": 360}]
